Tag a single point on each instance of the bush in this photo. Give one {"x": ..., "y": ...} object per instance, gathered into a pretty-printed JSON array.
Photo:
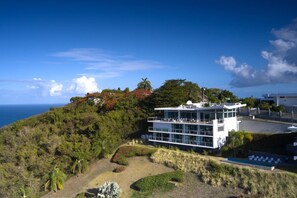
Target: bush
[
  {"x": 162, "y": 182},
  {"x": 109, "y": 190},
  {"x": 123, "y": 152},
  {"x": 119, "y": 169}
]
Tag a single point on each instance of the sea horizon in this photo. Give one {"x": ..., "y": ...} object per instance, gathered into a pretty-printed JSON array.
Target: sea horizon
[{"x": 10, "y": 113}]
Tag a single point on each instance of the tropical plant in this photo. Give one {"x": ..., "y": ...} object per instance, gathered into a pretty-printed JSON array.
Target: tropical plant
[
  {"x": 144, "y": 84},
  {"x": 56, "y": 180},
  {"x": 109, "y": 190},
  {"x": 79, "y": 166},
  {"x": 23, "y": 192}
]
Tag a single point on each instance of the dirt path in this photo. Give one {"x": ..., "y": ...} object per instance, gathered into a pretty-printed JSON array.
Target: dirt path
[
  {"x": 75, "y": 185},
  {"x": 101, "y": 171},
  {"x": 138, "y": 168}
]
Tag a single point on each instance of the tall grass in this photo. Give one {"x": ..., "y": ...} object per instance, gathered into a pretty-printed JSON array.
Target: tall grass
[{"x": 256, "y": 182}]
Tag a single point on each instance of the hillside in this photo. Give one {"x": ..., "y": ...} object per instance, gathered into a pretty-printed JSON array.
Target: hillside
[
  {"x": 66, "y": 138},
  {"x": 41, "y": 152}
]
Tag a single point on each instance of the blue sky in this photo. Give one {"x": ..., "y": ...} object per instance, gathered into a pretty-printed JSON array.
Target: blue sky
[{"x": 53, "y": 50}]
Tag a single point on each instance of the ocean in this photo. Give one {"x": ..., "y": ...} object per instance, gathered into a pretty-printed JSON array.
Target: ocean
[{"x": 12, "y": 113}]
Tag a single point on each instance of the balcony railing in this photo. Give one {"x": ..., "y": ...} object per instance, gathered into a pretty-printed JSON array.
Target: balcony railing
[
  {"x": 194, "y": 132},
  {"x": 182, "y": 120},
  {"x": 190, "y": 142}
]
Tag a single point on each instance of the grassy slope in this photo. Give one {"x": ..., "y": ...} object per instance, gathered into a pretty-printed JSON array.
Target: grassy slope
[
  {"x": 254, "y": 181},
  {"x": 31, "y": 148}
]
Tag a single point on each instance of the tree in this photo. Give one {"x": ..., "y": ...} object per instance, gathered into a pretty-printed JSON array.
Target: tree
[
  {"x": 250, "y": 102},
  {"x": 144, "y": 84},
  {"x": 56, "y": 180},
  {"x": 175, "y": 92},
  {"x": 215, "y": 95}
]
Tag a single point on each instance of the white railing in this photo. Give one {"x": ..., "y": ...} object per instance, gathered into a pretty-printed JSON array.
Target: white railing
[
  {"x": 192, "y": 142},
  {"x": 180, "y": 131},
  {"x": 182, "y": 120}
]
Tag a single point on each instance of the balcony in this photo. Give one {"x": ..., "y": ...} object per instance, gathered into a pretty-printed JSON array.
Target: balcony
[
  {"x": 182, "y": 132},
  {"x": 182, "y": 120},
  {"x": 179, "y": 141}
]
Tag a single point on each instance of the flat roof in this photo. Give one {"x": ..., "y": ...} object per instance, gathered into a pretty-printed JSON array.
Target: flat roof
[
  {"x": 199, "y": 106},
  {"x": 280, "y": 94}
]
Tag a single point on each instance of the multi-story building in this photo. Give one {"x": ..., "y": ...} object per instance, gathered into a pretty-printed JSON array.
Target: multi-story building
[
  {"x": 195, "y": 124},
  {"x": 284, "y": 99}
]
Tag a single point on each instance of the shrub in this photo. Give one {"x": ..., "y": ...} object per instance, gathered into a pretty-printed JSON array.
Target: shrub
[
  {"x": 162, "y": 182},
  {"x": 119, "y": 169},
  {"x": 109, "y": 190},
  {"x": 123, "y": 152}
]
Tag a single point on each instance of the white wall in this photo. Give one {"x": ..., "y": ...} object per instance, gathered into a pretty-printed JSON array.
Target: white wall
[{"x": 287, "y": 101}]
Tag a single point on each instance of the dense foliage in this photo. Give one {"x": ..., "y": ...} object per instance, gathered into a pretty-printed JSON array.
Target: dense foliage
[
  {"x": 124, "y": 152},
  {"x": 67, "y": 138},
  {"x": 215, "y": 95},
  {"x": 161, "y": 182},
  {"x": 176, "y": 92}
]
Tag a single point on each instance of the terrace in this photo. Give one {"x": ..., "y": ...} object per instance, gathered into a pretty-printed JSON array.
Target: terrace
[{"x": 183, "y": 120}]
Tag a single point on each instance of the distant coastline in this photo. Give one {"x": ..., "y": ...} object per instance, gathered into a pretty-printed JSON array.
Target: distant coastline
[{"x": 10, "y": 113}]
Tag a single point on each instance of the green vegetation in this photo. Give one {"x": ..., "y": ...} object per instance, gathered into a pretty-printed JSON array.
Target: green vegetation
[
  {"x": 145, "y": 84},
  {"x": 235, "y": 140},
  {"x": 215, "y": 95},
  {"x": 124, "y": 152},
  {"x": 174, "y": 93},
  {"x": 56, "y": 180},
  {"x": 239, "y": 143},
  {"x": 162, "y": 182},
  {"x": 256, "y": 182},
  {"x": 66, "y": 138}
]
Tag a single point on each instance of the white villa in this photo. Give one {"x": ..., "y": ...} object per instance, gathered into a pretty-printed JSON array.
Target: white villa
[
  {"x": 195, "y": 124},
  {"x": 285, "y": 99}
]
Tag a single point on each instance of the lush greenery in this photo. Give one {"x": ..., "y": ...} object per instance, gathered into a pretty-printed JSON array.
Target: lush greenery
[
  {"x": 67, "y": 139},
  {"x": 235, "y": 140},
  {"x": 145, "y": 84},
  {"x": 56, "y": 180},
  {"x": 215, "y": 95},
  {"x": 174, "y": 93},
  {"x": 162, "y": 182},
  {"x": 124, "y": 152},
  {"x": 240, "y": 143},
  {"x": 254, "y": 181}
]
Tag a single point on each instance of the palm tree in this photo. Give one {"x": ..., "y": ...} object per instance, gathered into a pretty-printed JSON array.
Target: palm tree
[
  {"x": 23, "y": 192},
  {"x": 56, "y": 180},
  {"x": 144, "y": 84},
  {"x": 79, "y": 166}
]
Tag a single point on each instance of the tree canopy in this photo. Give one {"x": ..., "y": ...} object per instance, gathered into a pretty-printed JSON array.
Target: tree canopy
[
  {"x": 144, "y": 84},
  {"x": 175, "y": 93},
  {"x": 215, "y": 95}
]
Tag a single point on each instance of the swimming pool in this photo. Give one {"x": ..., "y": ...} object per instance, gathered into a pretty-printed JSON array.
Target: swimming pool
[{"x": 251, "y": 163}]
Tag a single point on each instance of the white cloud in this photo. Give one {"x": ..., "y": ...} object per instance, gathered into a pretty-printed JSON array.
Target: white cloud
[
  {"x": 107, "y": 65},
  {"x": 282, "y": 45},
  {"x": 46, "y": 88},
  {"x": 281, "y": 62},
  {"x": 55, "y": 88},
  {"x": 83, "y": 85}
]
